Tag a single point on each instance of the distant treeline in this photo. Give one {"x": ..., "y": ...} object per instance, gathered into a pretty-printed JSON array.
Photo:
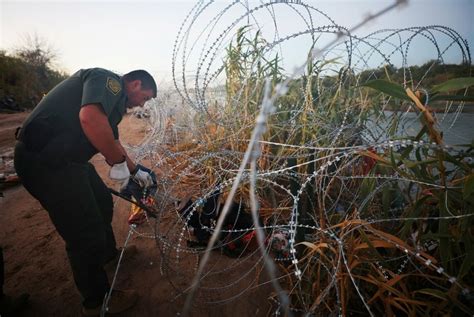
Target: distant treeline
[
  {"x": 25, "y": 77},
  {"x": 425, "y": 76},
  {"x": 431, "y": 73}
]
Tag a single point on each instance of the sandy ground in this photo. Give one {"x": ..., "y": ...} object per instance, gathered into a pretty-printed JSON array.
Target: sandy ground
[{"x": 36, "y": 260}]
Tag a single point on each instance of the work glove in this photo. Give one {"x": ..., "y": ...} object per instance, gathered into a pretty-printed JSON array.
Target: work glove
[
  {"x": 145, "y": 195},
  {"x": 143, "y": 176},
  {"x": 134, "y": 189},
  {"x": 119, "y": 171}
]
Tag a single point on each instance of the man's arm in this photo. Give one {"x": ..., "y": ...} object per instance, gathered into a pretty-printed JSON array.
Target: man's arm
[
  {"x": 131, "y": 166},
  {"x": 97, "y": 129}
]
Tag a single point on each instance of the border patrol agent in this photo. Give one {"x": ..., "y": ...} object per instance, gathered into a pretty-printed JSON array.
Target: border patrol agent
[{"x": 74, "y": 121}]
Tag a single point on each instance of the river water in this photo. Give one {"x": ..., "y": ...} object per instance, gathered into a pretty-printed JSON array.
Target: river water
[{"x": 457, "y": 128}]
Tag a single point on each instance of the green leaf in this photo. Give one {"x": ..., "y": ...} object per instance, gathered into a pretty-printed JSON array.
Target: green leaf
[
  {"x": 452, "y": 98},
  {"x": 423, "y": 171},
  {"x": 413, "y": 213},
  {"x": 422, "y": 132},
  {"x": 445, "y": 251},
  {"x": 456, "y": 161},
  {"x": 386, "y": 200},
  {"x": 466, "y": 264},
  {"x": 433, "y": 292},
  {"x": 406, "y": 152},
  {"x": 411, "y": 164},
  {"x": 454, "y": 84},
  {"x": 468, "y": 186},
  {"x": 392, "y": 159},
  {"x": 436, "y": 236},
  {"x": 370, "y": 245},
  {"x": 388, "y": 88}
]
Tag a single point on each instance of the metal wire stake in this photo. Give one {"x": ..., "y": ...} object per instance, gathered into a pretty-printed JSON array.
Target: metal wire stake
[{"x": 105, "y": 303}]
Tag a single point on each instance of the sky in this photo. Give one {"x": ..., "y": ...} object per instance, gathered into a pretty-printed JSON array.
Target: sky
[{"x": 126, "y": 35}]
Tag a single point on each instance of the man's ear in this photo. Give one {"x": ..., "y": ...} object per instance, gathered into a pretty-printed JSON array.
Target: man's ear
[{"x": 137, "y": 84}]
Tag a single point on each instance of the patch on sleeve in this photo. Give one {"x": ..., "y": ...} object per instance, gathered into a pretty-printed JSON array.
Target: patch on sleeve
[{"x": 113, "y": 85}]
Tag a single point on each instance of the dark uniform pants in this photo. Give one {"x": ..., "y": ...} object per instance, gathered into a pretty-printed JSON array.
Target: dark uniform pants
[
  {"x": 2, "y": 273},
  {"x": 80, "y": 207}
]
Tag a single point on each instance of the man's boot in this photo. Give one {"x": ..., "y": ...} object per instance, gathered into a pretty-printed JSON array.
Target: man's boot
[
  {"x": 119, "y": 301},
  {"x": 111, "y": 263},
  {"x": 10, "y": 306}
]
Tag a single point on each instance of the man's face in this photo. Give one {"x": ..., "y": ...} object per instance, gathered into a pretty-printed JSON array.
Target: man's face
[{"x": 138, "y": 96}]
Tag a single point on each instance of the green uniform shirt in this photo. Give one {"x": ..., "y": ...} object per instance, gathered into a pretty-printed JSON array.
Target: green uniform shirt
[{"x": 53, "y": 128}]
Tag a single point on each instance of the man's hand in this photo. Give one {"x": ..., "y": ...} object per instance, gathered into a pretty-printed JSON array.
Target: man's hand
[
  {"x": 119, "y": 171},
  {"x": 145, "y": 177}
]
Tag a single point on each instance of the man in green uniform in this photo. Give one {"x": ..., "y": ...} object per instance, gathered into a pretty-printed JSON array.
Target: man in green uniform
[{"x": 74, "y": 121}]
